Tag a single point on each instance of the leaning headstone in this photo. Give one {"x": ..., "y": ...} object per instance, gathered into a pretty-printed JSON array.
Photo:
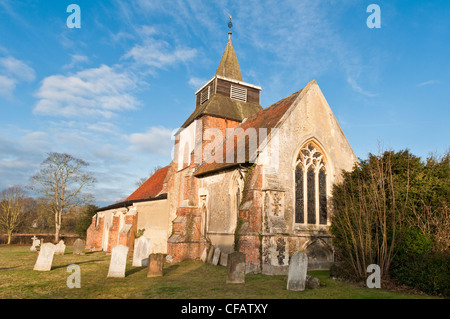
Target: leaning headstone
[
  {"x": 216, "y": 256},
  {"x": 78, "y": 247},
  {"x": 155, "y": 265},
  {"x": 60, "y": 248},
  {"x": 210, "y": 254},
  {"x": 223, "y": 259},
  {"x": 118, "y": 262},
  {"x": 36, "y": 242},
  {"x": 45, "y": 257},
  {"x": 141, "y": 252},
  {"x": 298, "y": 266},
  {"x": 204, "y": 255},
  {"x": 236, "y": 268}
]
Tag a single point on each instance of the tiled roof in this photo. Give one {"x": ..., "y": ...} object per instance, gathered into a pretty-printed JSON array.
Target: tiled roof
[
  {"x": 152, "y": 187},
  {"x": 229, "y": 65},
  {"x": 224, "y": 107},
  {"x": 267, "y": 118}
]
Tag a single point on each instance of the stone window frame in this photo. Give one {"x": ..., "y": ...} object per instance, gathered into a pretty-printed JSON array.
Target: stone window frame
[{"x": 319, "y": 163}]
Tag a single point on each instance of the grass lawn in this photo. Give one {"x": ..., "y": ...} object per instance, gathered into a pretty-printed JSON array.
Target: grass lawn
[{"x": 189, "y": 279}]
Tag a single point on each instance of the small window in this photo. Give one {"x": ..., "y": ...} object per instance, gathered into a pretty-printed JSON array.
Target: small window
[
  {"x": 204, "y": 95},
  {"x": 238, "y": 93}
]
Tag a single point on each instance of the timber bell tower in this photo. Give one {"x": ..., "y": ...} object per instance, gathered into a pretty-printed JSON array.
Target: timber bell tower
[{"x": 221, "y": 103}]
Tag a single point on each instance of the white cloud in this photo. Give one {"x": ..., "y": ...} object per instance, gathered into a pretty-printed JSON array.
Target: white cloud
[
  {"x": 76, "y": 59},
  {"x": 159, "y": 54},
  {"x": 12, "y": 72},
  {"x": 196, "y": 83},
  {"x": 17, "y": 69},
  {"x": 157, "y": 140},
  {"x": 7, "y": 86},
  {"x": 430, "y": 82},
  {"x": 102, "y": 91},
  {"x": 358, "y": 89}
]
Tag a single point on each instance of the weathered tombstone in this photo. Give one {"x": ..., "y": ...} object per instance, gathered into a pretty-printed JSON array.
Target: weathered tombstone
[
  {"x": 141, "y": 252},
  {"x": 236, "y": 268},
  {"x": 155, "y": 265},
  {"x": 312, "y": 282},
  {"x": 118, "y": 263},
  {"x": 36, "y": 242},
  {"x": 60, "y": 248},
  {"x": 78, "y": 247},
  {"x": 298, "y": 266},
  {"x": 45, "y": 257},
  {"x": 223, "y": 259},
  {"x": 204, "y": 255},
  {"x": 216, "y": 257},
  {"x": 210, "y": 254}
]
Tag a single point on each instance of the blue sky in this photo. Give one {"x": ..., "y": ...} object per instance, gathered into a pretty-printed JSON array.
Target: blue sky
[{"x": 113, "y": 91}]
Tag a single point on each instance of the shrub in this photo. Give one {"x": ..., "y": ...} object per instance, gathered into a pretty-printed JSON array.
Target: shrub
[{"x": 429, "y": 272}]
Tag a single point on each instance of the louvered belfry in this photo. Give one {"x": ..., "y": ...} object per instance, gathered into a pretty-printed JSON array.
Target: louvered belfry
[{"x": 226, "y": 95}]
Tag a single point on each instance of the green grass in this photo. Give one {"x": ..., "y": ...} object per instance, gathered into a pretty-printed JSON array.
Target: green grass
[{"x": 189, "y": 279}]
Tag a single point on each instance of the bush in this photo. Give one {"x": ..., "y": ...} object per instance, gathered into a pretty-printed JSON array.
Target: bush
[
  {"x": 392, "y": 210},
  {"x": 429, "y": 272}
]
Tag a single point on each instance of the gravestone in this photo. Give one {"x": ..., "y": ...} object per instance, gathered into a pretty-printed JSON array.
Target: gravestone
[
  {"x": 155, "y": 265},
  {"x": 36, "y": 242},
  {"x": 312, "y": 282},
  {"x": 236, "y": 268},
  {"x": 118, "y": 263},
  {"x": 298, "y": 266},
  {"x": 216, "y": 256},
  {"x": 204, "y": 255},
  {"x": 60, "y": 248},
  {"x": 45, "y": 257},
  {"x": 223, "y": 259},
  {"x": 210, "y": 254},
  {"x": 78, "y": 247},
  {"x": 141, "y": 252}
]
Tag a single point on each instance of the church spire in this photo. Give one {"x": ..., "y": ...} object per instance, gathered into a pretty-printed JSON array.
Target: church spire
[{"x": 229, "y": 65}]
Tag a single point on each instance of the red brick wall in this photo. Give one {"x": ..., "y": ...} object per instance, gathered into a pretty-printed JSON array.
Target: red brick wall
[
  {"x": 128, "y": 238},
  {"x": 113, "y": 233},
  {"x": 186, "y": 231},
  {"x": 94, "y": 235}
]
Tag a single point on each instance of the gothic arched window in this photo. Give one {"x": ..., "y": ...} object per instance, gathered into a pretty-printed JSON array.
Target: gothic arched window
[{"x": 310, "y": 186}]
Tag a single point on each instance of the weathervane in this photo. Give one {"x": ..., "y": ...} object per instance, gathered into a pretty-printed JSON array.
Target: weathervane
[{"x": 230, "y": 24}]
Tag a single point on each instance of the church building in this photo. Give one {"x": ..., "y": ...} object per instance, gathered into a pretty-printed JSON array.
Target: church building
[{"x": 243, "y": 178}]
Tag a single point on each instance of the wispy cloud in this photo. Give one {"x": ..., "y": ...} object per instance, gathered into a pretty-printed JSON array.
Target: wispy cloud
[
  {"x": 430, "y": 82},
  {"x": 7, "y": 86},
  {"x": 103, "y": 91},
  {"x": 196, "y": 83},
  {"x": 12, "y": 72},
  {"x": 75, "y": 59},
  {"x": 17, "y": 69},
  {"x": 355, "y": 86},
  {"x": 156, "y": 140},
  {"x": 159, "y": 54}
]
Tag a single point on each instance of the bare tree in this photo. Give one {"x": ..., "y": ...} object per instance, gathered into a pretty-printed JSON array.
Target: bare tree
[
  {"x": 12, "y": 203},
  {"x": 62, "y": 179}
]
